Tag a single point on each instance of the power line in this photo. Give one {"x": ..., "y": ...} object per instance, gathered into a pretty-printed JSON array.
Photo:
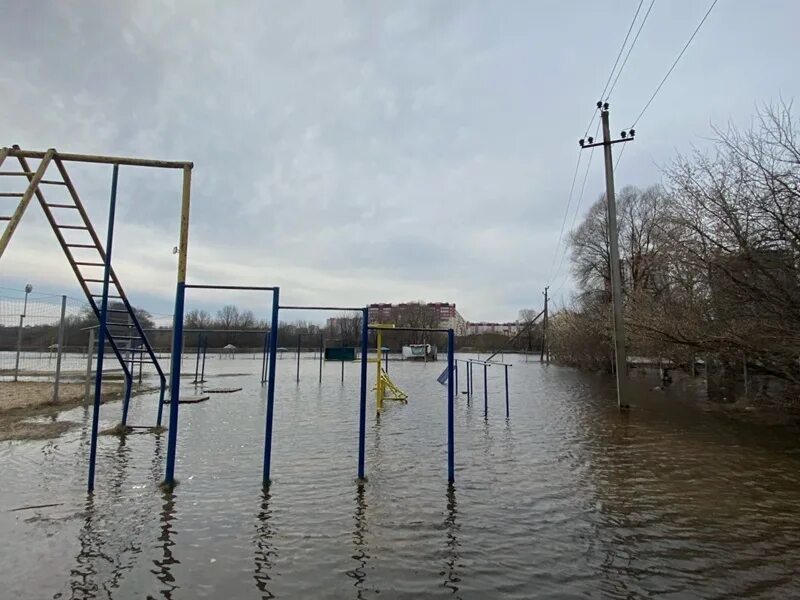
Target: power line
[
  {"x": 577, "y": 206},
  {"x": 566, "y": 212},
  {"x": 619, "y": 157},
  {"x": 630, "y": 49},
  {"x": 616, "y": 62},
  {"x": 674, "y": 64},
  {"x": 622, "y": 49},
  {"x": 591, "y": 122}
]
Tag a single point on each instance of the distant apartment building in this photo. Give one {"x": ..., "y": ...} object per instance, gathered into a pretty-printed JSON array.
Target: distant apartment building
[
  {"x": 507, "y": 329},
  {"x": 449, "y": 317},
  {"x": 336, "y": 323}
]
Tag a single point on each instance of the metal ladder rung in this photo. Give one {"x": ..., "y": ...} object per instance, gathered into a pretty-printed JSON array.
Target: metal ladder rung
[
  {"x": 101, "y": 295},
  {"x": 90, "y": 264},
  {"x": 52, "y": 182},
  {"x": 72, "y": 226},
  {"x": 96, "y": 281},
  {"x": 5, "y": 218},
  {"x": 125, "y": 337},
  {"x": 119, "y": 310},
  {"x": 12, "y": 194},
  {"x": 61, "y": 206},
  {"x": 81, "y": 246}
]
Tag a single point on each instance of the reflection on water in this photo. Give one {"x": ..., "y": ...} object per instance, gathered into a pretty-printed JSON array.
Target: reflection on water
[
  {"x": 452, "y": 527},
  {"x": 105, "y": 556},
  {"x": 567, "y": 498},
  {"x": 265, "y": 553},
  {"x": 167, "y": 561},
  {"x": 360, "y": 551}
]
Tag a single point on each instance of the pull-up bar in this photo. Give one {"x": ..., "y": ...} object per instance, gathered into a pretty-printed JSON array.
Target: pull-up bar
[
  {"x": 470, "y": 385},
  {"x": 247, "y": 288},
  {"x": 344, "y": 308},
  {"x": 300, "y": 336},
  {"x": 362, "y": 400},
  {"x": 172, "y": 438}
]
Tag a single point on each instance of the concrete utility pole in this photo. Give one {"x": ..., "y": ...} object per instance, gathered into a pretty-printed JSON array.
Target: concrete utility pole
[
  {"x": 620, "y": 354},
  {"x": 544, "y": 356}
]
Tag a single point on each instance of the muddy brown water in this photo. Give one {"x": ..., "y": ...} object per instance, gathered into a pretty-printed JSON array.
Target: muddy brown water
[{"x": 566, "y": 499}]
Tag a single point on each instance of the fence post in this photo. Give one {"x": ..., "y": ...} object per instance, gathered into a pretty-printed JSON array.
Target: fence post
[
  {"x": 60, "y": 347},
  {"x": 89, "y": 354}
]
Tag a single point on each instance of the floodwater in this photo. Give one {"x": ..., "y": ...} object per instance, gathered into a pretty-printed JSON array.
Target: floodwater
[{"x": 566, "y": 499}]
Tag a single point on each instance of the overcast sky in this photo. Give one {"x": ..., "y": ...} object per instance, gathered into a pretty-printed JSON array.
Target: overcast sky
[{"x": 355, "y": 152}]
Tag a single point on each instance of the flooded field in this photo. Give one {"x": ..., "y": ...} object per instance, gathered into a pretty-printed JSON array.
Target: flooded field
[{"x": 566, "y": 499}]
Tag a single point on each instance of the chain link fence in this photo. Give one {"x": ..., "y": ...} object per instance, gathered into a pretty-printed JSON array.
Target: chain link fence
[{"x": 44, "y": 341}]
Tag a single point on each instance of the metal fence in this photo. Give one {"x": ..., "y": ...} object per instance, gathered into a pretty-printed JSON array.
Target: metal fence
[{"x": 44, "y": 339}]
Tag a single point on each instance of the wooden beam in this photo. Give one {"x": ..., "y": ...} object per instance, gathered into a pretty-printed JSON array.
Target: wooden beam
[
  {"x": 33, "y": 187},
  {"x": 108, "y": 160}
]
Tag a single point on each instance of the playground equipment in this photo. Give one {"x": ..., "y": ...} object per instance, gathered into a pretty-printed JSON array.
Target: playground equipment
[
  {"x": 172, "y": 440},
  {"x": 101, "y": 257},
  {"x": 300, "y": 337},
  {"x": 202, "y": 349},
  {"x": 470, "y": 386},
  {"x": 382, "y": 380},
  {"x": 85, "y": 252},
  {"x": 85, "y": 264},
  {"x": 450, "y": 394}
]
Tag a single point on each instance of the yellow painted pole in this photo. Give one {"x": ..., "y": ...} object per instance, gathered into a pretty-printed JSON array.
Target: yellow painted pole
[{"x": 183, "y": 247}]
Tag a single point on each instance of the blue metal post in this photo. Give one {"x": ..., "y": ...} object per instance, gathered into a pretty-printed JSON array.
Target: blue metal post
[
  {"x": 455, "y": 373},
  {"x": 485, "y": 394},
  {"x": 264, "y": 358},
  {"x": 197, "y": 357},
  {"x": 127, "y": 398},
  {"x": 98, "y": 378},
  {"x": 205, "y": 351},
  {"x": 451, "y": 451},
  {"x": 362, "y": 414},
  {"x": 177, "y": 331},
  {"x": 273, "y": 351},
  {"x": 175, "y": 382},
  {"x": 506, "y": 368},
  {"x": 163, "y": 381}
]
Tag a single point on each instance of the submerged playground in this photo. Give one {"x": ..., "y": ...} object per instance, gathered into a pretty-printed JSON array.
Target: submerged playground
[{"x": 294, "y": 476}]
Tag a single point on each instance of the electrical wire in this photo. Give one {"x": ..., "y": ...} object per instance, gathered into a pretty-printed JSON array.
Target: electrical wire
[
  {"x": 675, "y": 63},
  {"x": 630, "y": 49},
  {"x": 566, "y": 213},
  {"x": 577, "y": 205},
  {"x": 591, "y": 122},
  {"x": 622, "y": 49},
  {"x": 619, "y": 157}
]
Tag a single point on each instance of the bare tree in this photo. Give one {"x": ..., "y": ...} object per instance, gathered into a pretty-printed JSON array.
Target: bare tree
[{"x": 228, "y": 317}]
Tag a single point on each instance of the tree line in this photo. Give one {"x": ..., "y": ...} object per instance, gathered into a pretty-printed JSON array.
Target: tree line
[
  {"x": 242, "y": 329},
  {"x": 710, "y": 261}
]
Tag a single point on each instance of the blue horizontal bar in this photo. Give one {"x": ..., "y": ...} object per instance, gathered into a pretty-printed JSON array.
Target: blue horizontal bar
[
  {"x": 230, "y": 287},
  {"x": 320, "y": 308}
]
